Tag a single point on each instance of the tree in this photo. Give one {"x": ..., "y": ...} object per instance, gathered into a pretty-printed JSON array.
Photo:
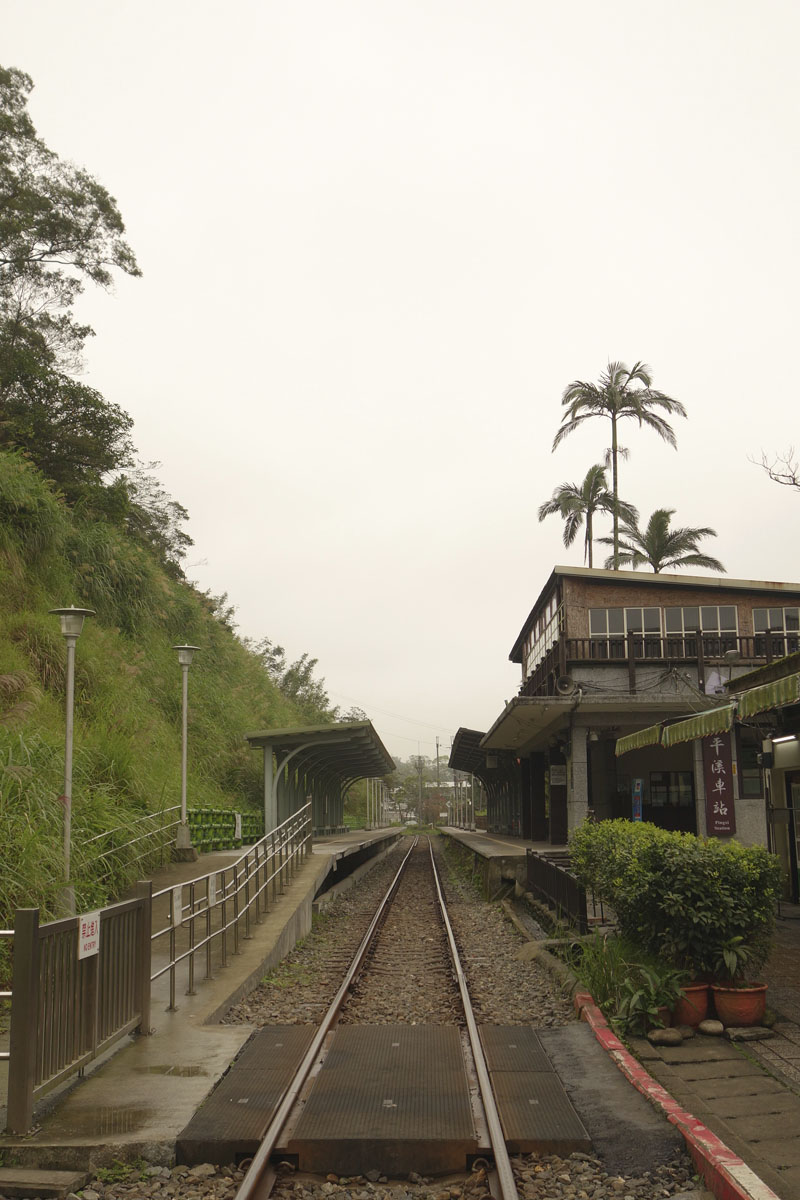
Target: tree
[
  {"x": 617, "y": 397},
  {"x": 782, "y": 468},
  {"x": 661, "y": 547},
  {"x": 578, "y": 502},
  {"x": 58, "y": 228}
]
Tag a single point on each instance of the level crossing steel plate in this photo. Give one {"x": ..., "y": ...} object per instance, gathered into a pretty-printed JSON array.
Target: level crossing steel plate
[
  {"x": 392, "y": 1098},
  {"x": 230, "y": 1124},
  {"x": 535, "y": 1111}
]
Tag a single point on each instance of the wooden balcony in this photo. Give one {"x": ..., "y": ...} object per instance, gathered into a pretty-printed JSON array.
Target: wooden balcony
[{"x": 703, "y": 650}]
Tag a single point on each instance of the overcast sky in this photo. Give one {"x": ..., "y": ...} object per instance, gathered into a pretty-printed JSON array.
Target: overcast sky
[{"x": 378, "y": 240}]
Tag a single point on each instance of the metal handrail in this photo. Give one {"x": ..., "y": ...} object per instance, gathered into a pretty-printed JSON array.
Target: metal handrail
[
  {"x": 138, "y": 820},
  {"x": 220, "y": 900}
]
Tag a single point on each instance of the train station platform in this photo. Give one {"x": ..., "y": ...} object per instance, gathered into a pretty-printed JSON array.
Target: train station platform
[
  {"x": 137, "y": 1099},
  {"x": 499, "y": 858}
]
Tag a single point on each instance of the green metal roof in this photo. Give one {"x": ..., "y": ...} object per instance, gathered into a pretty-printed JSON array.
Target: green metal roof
[
  {"x": 770, "y": 695},
  {"x": 651, "y": 736},
  {"x": 702, "y": 724}
]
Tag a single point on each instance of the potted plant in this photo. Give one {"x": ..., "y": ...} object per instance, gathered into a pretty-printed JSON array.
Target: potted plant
[
  {"x": 692, "y": 1005},
  {"x": 737, "y": 1000},
  {"x": 647, "y": 998}
]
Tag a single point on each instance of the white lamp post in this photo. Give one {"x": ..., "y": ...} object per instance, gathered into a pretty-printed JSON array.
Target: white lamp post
[
  {"x": 185, "y": 655},
  {"x": 71, "y": 625}
]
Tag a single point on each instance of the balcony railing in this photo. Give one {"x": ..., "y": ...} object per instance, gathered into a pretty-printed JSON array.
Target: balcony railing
[{"x": 702, "y": 649}]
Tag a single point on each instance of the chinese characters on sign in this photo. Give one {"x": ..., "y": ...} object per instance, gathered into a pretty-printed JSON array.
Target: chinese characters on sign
[
  {"x": 718, "y": 777},
  {"x": 88, "y": 934},
  {"x": 636, "y": 799}
]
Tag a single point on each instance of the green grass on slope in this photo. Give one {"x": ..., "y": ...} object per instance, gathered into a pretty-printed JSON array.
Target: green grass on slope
[{"x": 127, "y": 692}]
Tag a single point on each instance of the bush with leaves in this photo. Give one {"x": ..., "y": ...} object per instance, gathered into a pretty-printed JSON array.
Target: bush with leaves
[{"x": 682, "y": 898}]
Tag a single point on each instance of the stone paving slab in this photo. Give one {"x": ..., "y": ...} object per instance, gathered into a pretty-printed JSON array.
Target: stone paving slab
[
  {"x": 710, "y": 1089},
  {"x": 776, "y": 1102},
  {"x": 699, "y": 1050}
]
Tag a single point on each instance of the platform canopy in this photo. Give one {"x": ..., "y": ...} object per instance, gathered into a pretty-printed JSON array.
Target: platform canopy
[
  {"x": 466, "y": 753},
  {"x": 320, "y": 761}
]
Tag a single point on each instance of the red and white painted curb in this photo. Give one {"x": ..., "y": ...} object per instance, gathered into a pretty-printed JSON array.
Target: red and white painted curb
[{"x": 722, "y": 1171}]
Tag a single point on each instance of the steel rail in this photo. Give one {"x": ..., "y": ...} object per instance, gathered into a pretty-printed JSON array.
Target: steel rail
[
  {"x": 259, "y": 1177},
  {"x": 502, "y": 1162}
]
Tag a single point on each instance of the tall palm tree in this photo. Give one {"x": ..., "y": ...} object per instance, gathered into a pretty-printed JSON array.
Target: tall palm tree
[
  {"x": 621, "y": 392},
  {"x": 661, "y": 547},
  {"x": 576, "y": 502}
]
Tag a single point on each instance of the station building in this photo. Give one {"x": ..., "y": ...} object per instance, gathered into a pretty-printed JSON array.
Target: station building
[{"x": 626, "y": 680}]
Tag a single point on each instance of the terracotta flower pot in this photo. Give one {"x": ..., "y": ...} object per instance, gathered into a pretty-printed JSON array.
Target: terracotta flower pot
[
  {"x": 692, "y": 1008},
  {"x": 740, "y": 1005}
]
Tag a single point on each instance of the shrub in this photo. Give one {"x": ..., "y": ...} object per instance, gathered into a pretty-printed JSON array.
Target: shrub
[{"x": 682, "y": 898}]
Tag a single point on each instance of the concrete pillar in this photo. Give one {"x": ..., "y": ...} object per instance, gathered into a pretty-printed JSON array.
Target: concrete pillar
[
  {"x": 270, "y": 808},
  {"x": 578, "y": 779}
]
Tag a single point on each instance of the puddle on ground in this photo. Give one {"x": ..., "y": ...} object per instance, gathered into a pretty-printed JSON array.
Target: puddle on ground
[
  {"x": 171, "y": 1069},
  {"x": 101, "y": 1121}
]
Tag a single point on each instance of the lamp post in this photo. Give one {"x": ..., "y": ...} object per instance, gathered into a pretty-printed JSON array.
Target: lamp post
[
  {"x": 71, "y": 625},
  {"x": 185, "y": 655}
]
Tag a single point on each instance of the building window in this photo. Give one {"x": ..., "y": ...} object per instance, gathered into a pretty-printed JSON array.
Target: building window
[
  {"x": 784, "y": 627},
  {"x": 609, "y": 628},
  {"x": 751, "y": 780},
  {"x": 671, "y": 788},
  {"x": 718, "y": 623},
  {"x": 544, "y": 634}
]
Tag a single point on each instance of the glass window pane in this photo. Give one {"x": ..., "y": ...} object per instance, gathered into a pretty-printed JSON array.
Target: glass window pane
[
  {"x": 615, "y": 622},
  {"x": 633, "y": 617},
  {"x": 673, "y": 620},
  {"x": 691, "y": 619},
  {"x": 652, "y": 620},
  {"x": 727, "y": 617},
  {"x": 759, "y": 619},
  {"x": 709, "y": 619},
  {"x": 776, "y": 618},
  {"x": 791, "y": 618},
  {"x": 597, "y": 621}
]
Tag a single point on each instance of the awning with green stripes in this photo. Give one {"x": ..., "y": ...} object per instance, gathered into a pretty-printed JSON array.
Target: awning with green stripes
[
  {"x": 636, "y": 741},
  {"x": 713, "y": 720},
  {"x": 770, "y": 695}
]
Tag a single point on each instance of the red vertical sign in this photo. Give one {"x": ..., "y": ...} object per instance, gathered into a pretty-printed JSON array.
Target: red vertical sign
[{"x": 718, "y": 777}]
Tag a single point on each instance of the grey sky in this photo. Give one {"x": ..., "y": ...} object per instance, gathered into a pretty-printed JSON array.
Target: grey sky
[{"x": 378, "y": 239}]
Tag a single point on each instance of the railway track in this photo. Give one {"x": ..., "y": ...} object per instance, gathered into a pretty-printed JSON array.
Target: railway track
[{"x": 410, "y": 933}]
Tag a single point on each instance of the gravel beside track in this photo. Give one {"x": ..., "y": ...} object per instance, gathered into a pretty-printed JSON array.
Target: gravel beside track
[{"x": 506, "y": 990}]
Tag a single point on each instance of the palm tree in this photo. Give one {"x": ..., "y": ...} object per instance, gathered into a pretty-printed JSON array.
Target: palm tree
[
  {"x": 660, "y": 546},
  {"x": 576, "y": 502},
  {"x": 617, "y": 397}
]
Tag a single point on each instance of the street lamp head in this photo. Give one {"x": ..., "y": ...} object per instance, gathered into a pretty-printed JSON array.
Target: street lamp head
[
  {"x": 185, "y": 654},
  {"x": 72, "y": 619}
]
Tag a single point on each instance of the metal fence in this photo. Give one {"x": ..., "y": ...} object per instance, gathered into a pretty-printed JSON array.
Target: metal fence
[
  {"x": 555, "y": 884},
  {"x": 217, "y": 909},
  {"x": 66, "y": 1010}
]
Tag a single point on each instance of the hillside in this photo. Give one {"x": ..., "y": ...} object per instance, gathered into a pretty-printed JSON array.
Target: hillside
[{"x": 127, "y": 690}]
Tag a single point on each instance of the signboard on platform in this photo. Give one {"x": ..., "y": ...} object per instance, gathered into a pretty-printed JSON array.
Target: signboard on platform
[
  {"x": 718, "y": 771},
  {"x": 558, "y": 775},
  {"x": 88, "y": 934}
]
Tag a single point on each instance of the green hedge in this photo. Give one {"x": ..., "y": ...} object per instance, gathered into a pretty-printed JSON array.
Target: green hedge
[{"x": 696, "y": 903}]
